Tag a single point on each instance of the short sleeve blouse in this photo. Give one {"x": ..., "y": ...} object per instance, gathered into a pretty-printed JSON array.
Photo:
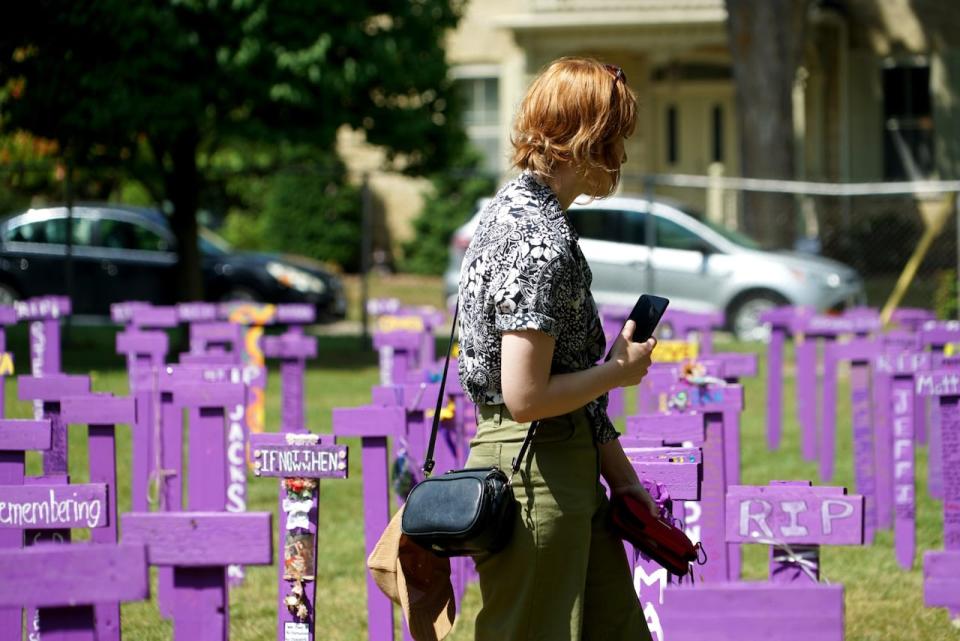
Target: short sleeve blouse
[{"x": 524, "y": 270}]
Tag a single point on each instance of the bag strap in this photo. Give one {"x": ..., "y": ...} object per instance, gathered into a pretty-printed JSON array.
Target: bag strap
[{"x": 429, "y": 463}]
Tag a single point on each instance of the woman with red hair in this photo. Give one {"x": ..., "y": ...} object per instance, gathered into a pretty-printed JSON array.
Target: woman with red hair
[{"x": 530, "y": 341}]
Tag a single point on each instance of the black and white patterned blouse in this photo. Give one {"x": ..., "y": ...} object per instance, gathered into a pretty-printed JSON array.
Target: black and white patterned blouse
[{"x": 524, "y": 270}]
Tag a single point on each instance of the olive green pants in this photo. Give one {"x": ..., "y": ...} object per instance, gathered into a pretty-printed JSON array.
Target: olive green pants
[{"x": 564, "y": 575}]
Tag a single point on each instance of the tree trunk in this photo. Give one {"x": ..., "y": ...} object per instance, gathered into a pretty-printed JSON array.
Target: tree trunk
[
  {"x": 183, "y": 188},
  {"x": 766, "y": 42}
]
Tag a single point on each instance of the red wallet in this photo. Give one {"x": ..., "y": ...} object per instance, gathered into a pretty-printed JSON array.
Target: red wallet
[{"x": 654, "y": 537}]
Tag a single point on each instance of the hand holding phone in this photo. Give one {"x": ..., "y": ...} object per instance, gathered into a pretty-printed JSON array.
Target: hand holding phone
[
  {"x": 633, "y": 351},
  {"x": 646, "y": 314}
]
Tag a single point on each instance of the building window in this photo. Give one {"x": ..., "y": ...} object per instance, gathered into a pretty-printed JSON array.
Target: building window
[
  {"x": 672, "y": 150},
  {"x": 908, "y": 152},
  {"x": 717, "y": 147},
  {"x": 481, "y": 117}
]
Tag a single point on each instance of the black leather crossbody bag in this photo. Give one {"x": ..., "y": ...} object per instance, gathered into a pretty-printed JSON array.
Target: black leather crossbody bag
[{"x": 463, "y": 512}]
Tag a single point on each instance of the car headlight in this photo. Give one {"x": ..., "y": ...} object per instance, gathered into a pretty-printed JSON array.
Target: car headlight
[
  {"x": 832, "y": 280},
  {"x": 296, "y": 278}
]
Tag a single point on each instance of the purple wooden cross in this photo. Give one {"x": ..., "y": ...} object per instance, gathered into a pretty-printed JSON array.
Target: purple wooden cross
[
  {"x": 49, "y": 507},
  {"x": 945, "y": 386},
  {"x": 16, "y": 438},
  {"x": 252, "y": 319},
  {"x": 102, "y": 413},
  {"x": 214, "y": 395},
  {"x": 701, "y": 518},
  {"x": 936, "y": 335},
  {"x": 153, "y": 316},
  {"x": 432, "y": 319},
  {"x": 676, "y": 468},
  {"x": 731, "y": 366},
  {"x": 122, "y": 313},
  {"x": 419, "y": 401},
  {"x": 399, "y": 352},
  {"x": 64, "y": 582},
  {"x": 896, "y": 502},
  {"x": 296, "y": 314},
  {"x": 794, "y": 517},
  {"x": 669, "y": 429},
  {"x": 404, "y": 340},
  {"x": 217, "y": 338},
  {"x": 860, "y": 352},
  {"x": 891, "y": 342},
  {"x": 293, "y": 349},
  {"x": 659, "y": 378},
  {"x": 75, "y": 506},
  {"x": 373, "y": 425},
  {"x": 810, "y": 331},
  {"x": 146, "y": 352},
  {"x": 145, "y": 345},
  {"x": 143, "y": 315},
  {"x": 44, "y": 314},
  {"x": 216, "y": 465},
  {"x": 792, "y": 606},
  {"x": 246, "y": 313},
  {"x": 904, "y": 486},
  {"x": 783, "y": 323},
  {"x": 199, "y": 546},
  {"x": 721, "y": 467},
  {"x": 677, "y": 471},
  {"x": 48, "y": 390},
  {"x": 196, "y": 312},
  {"x": 912, "y": 318},
  {"x": 693, "y": 326},
  {"x": 299, "y": 461},
  {"x": 206, "y": 369}
]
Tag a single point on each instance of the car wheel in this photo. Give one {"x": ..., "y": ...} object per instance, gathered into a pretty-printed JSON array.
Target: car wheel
[
  {"x": 746, "y": 312},
  {"x": 8, "y": 295},
  {"x": 241, "y": 295}
]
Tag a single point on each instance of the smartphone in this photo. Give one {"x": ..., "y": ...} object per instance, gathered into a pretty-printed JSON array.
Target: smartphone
[{"x": 646, "y": 313}]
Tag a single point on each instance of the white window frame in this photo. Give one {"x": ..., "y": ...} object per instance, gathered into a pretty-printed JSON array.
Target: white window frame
[{"x": 492, "y": 131}]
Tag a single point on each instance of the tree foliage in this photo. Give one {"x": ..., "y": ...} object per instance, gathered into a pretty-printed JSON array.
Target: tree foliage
[
  {"x": 452, "y": 200},
  {"x": 308, "y": 209},
  {"x": 163, "y": 87}
]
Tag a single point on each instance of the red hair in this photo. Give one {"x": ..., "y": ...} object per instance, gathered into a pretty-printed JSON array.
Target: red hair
[{"x": 576, "y": 111}]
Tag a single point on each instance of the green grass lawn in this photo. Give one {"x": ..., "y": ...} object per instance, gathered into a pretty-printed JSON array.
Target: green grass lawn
[{"x": 883, "y": 603}]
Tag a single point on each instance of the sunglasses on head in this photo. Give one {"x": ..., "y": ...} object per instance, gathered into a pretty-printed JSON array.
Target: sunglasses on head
[{"x": 618, "y": 75}]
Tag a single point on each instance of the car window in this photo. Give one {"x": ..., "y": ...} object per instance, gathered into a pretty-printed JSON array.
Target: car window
[
  {"x": 670, "y": 235},
  {"x": 52, "y": 231},
  {"x": 212, "y": 244},
  {"x": 634, "y": 227},
  {"x": 596, "y": 224},
  {"x": 120, "y": 234}
]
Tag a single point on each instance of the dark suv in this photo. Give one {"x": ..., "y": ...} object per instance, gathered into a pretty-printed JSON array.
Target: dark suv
[{"x": 127, "y": 253}]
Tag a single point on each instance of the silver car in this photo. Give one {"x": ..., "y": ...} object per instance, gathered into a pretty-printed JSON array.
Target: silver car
[{"x": 699, "y": 266}]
